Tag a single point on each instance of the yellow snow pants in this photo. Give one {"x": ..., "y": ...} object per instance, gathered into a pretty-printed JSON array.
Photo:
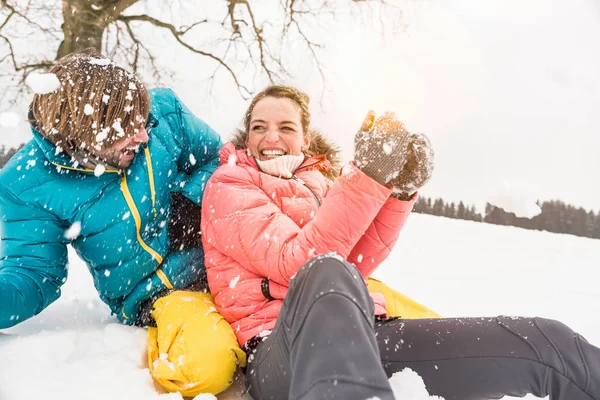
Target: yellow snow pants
[
  {"x": 193, "y": 349},
  {"x": 399, "y": 305}
]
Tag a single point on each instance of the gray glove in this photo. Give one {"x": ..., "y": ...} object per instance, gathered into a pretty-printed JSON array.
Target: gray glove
[{"x": 388, "y": 153}]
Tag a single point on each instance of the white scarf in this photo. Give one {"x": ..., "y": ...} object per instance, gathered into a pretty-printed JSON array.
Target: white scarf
[{"x": 282, "y": 166}]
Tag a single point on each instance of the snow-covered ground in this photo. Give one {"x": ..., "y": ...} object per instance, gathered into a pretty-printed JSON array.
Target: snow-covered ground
[{"x": 75, "y": 350}]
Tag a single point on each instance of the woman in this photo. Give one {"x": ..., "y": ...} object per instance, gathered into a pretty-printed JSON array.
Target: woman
[{"x": 308, "y": 322}]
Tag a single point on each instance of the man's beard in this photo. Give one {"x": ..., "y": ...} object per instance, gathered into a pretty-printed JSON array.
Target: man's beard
[{"x": 110, "y": 160}]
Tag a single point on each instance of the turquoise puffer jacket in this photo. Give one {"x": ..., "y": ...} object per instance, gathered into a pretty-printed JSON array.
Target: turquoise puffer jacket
[{"x": 121, "y": 217}]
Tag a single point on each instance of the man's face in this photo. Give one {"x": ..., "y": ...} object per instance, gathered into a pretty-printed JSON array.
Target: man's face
[{"x": 122, "y": 152}]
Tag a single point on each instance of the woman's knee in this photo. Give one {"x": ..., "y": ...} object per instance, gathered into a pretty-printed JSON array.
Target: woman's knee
[
  {"x": 327, "y": 267},
  {"x": 554, "y": 345},
  {"x": 324, "y": 276}
]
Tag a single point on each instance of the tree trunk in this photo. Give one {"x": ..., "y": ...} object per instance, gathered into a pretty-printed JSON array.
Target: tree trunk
[
  {"x": 84, "y": 23},
  {"x": 83, "y": 26}
]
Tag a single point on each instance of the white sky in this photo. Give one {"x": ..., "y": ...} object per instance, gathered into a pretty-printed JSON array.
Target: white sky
[{"x": 508, "y": 90}]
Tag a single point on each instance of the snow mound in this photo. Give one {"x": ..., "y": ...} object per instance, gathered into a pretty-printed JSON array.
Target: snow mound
[
  {"x": 96, "y": 361},
  {"x": 408, "y": 385}
]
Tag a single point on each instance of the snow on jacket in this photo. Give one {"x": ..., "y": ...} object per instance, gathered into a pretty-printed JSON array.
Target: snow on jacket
[
  {"x": 121, "y": 216},
  {"x": 259, "y": 230}
]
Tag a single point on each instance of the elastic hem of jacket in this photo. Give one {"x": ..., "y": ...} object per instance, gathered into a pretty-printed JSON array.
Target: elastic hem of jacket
[
  {"x": 264, "y": 287},
  {"x": 403, "y": 196}
]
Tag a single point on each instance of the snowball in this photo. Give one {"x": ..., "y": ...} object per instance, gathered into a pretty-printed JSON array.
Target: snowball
[
  {"x": 408, "y": 385},
  {"x": 73, "y": 231},
  {"x": 99, "y": 61},
  {"x": 99, "y": 170},
  {"x": 88, "y": 109},
  {"x": 9, "y": 119},
  {"x": 515, "y": 198},
  {"x": 42, "y": 83},
  {"x": 105, "y": 98}
]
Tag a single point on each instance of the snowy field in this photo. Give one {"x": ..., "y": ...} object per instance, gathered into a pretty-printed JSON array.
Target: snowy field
[{"x": 75, "y": 350}]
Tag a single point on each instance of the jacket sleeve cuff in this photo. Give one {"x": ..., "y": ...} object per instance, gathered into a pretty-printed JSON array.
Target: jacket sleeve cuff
[{"x": 404, "y": 196}]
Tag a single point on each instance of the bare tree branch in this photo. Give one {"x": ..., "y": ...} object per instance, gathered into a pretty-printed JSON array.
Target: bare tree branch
[
  {"x": 12, "y": 12},
  {"x": 119, "y": 6},
  {"x": 26, "y": 67},
  {"x": 21, "y": 14},
  {"x": 177, "y": 34},
  {"x": 139, "y": 45},
  {"x": 245, "y": 44},
  {"x": 257, "y": 32}
]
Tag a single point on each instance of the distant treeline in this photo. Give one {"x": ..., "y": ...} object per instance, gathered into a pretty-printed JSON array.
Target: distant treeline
[
  {"x": 6, "y": 154},
  {"x": 556, "y": 216}
]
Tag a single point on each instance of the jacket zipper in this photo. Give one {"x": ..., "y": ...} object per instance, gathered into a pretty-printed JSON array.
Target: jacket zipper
[{"x": 309, "y": 189}]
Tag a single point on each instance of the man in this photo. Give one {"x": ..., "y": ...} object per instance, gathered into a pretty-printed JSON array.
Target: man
[{"x": 118, "y": 172}]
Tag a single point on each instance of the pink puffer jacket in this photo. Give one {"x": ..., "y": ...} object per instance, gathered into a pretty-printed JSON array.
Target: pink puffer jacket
[{"x": 259, "y": 230}]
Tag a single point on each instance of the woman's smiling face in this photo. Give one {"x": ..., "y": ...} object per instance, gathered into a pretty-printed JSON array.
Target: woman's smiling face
[{"x": 276, "y": 129}]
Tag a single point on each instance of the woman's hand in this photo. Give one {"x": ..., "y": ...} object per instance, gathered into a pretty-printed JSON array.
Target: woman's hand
[{"x": 388, "y": 153}]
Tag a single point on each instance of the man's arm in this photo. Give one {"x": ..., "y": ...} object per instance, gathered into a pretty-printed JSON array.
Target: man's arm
[
  {"x": 33, "y": 259},
  {"x": 200, "y": 152}
]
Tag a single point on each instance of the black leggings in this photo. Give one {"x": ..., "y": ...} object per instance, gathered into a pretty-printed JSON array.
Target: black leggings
[{"x": 326, "y": 346}]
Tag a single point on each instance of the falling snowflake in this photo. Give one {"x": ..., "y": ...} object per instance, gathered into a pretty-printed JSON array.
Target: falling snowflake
[
  {"x": 88, "y": 109},
  {"x": 99, "y": 170},
  {"x": 73, "y": 231},
  {"x": 233, "y": 282},
  {"x": 99, "y": 61}
]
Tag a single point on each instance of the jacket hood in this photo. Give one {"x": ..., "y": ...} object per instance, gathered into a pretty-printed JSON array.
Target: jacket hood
[
  {"x": 322, "y": 153},
  {"x": 51, "y": 152}
]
